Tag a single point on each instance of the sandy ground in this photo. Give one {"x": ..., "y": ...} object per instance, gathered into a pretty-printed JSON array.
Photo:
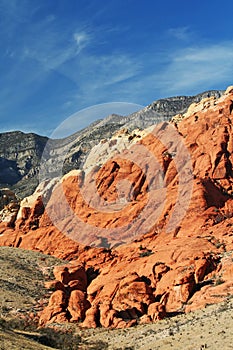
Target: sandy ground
[{"x": 211, "y": 328}]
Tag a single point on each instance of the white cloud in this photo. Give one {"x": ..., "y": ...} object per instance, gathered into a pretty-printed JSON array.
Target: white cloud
[
  {"x": 50, "y": 59},
  {"x": 82, "y": 39},
  {"x": 122, "y": 77},
  {"x": 197, "y": 68},
  {"x": 52, "y": 50},
  {"x": 109, "y": 72}
]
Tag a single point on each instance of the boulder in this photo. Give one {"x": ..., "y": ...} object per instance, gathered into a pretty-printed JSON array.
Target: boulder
[
  {"x": 91, "y": 317},
  {"x": 107, "y": 314},
  {"x": 70, "y": 273},
  {"x": 156, "y": 311},
  {"x": 78, "y": 305}
]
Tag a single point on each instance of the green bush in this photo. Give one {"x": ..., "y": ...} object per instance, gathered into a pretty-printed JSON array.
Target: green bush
[{"x": 146, "y": 253}]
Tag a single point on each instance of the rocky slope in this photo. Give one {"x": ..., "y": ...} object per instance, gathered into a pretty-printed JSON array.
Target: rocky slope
[
  {"x": 149, "y": 234},
  {"x": 196, "y": 330},
  {"x": 20, "y": 153},
  {"x": 23, "y": 274}
]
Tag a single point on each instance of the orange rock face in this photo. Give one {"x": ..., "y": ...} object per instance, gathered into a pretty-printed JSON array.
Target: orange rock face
[
  {"x": 149, "y": 234},
  {"x": 78, "y": 305}
]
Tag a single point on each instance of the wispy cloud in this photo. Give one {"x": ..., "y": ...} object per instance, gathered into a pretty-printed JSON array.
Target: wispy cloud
[
  {"x": 187, "y": 70},
  {"x": 100, "y": 78},
  {"x": 82, "y": 39},
  {"x": 34, "y": 52},
  {"x": 52, "y": 50},
  {"x": 180, "y": 33},
  {"x": 123, "y": 77},
  {"x": 65, "y": 66},
  {"x": 193, "y": 68}
]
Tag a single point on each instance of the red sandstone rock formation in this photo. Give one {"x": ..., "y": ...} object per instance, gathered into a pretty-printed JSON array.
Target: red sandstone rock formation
[
  {"x": 160, "y": 271},
  {"x": 68, "y": 300}
]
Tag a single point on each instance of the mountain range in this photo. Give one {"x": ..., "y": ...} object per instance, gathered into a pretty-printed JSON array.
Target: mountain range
[{"x": 20, "y": 153}]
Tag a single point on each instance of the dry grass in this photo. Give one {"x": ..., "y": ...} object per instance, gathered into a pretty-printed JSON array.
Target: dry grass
[
  {"x": 22, "y": 292},
  {"x": 210, "y": 328},
  {"x": 22, "y": 279},
  {"x": 14, "y": 341}
]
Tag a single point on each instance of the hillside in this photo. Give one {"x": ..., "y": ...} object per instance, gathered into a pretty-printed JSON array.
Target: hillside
[
  {"x": 145, "y": 230},
  {"x": 23, "y": 274},
  {"x": 22, "y": 294}
]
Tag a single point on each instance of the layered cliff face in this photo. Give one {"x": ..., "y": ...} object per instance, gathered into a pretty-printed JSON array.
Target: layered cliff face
[
  {"x": 147, "y": 224},
  {"x": 20, "y": 154}
]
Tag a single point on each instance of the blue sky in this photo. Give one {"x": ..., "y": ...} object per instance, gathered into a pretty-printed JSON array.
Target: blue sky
[{"x": 59, "y": 56}]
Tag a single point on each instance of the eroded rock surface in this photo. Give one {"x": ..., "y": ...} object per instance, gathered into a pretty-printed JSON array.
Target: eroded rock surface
[{"x": 125, "y": 271}]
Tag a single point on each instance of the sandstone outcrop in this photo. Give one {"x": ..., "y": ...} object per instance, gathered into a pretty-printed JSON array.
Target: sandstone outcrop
[
  {"x": 156, "y": 251},
  {"x": 68, "y": 301},
  {"x": 9, "y": 206}
]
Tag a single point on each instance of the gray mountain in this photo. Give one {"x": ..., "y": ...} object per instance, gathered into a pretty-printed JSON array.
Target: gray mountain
[
  {"x": 20, "y": 156},
  {"x": 20, "y": 153}
]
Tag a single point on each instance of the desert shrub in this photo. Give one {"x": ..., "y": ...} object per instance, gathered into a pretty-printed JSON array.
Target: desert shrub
[
  {"x": 219, "y": 281},
  {"x": 60, "y": 340},
  {"x": 47, "y": 336},
  {"x": 3, "y": 323},
  {"x": 222, "y": 216},
  {"x": 14, "y": 323},
  {"x": 146, "y": 253}
]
